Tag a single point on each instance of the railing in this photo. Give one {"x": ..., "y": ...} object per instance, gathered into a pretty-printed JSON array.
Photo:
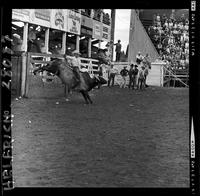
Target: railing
[
  {"x": 176, "y": 75},
  {"x": 87, "y": 64},
  {"x": 90, "y": 65}
]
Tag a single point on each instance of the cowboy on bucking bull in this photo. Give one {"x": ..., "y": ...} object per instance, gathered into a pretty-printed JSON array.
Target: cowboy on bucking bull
[{"x": 72, "y": 77}]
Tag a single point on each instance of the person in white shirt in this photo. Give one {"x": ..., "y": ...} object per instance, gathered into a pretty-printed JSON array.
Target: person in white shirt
[
  {"x": 141, "y": 78},
  {"x": 139, "y": 59},
  {"x": 175, "y": 25},
  {"x": 112, "y": 72},
  {"x": 76, "y": 64},
  {"x": 186, "y": 27},
  {"x": 17, "y": 43},
  {"x": 187, "y": 45},
  {"x": 171, "y": 25},
  {"x": 166, "y": 24},
  {"x": 180, "y": 26},
  {"x": 158, "y": 17}
]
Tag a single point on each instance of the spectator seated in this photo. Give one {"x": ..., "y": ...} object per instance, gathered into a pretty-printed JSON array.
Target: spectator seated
[{"x": 170, "y": 37}]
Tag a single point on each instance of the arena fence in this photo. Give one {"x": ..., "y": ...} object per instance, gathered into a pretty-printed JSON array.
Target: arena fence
[{"x": 159, "y": 75}]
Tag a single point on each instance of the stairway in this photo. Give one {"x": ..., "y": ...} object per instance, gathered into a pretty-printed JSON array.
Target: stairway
[{"x": 146, "y": 23}]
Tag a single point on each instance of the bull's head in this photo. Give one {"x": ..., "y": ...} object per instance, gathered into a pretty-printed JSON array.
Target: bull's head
[
  {"x": 100, "y": 80},
  {"x": 52, "y": 67}
]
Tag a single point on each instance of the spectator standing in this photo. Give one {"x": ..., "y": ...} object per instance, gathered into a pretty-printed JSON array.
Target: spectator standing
[
  {"x": 101, "y": 56},
  {"x": 147, "y": 60},
  {"x": 17, "y": 43},
  {"x": 123, "y": 73},
  {"x": 147, "y": 65},
  {"x": 141, "y": 78},
  {"x": 33, "y": 45},
  {"x": 59, "y": 49},
  {"x": 139, "y": 59},
  {"x": 111, "y": 75},
  {"x": 135, "y": 74},
  {"x": 130, "y": 73},
  {"x": 118, "y": 50}
]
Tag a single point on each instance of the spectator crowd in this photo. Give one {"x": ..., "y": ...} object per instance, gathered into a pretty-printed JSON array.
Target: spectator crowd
[{"x": 171, "y": 39}]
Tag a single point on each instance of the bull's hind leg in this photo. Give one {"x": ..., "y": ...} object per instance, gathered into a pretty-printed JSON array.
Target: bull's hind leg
[{"x": 66, "y": 92}]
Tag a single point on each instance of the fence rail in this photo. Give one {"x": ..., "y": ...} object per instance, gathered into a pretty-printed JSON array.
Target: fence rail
[
  {"x": 87, "y": 64},
  {"x": 90, "y": 65}
]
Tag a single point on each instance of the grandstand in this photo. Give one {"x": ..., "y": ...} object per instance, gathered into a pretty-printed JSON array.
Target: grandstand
[{"x": 169, "y": 33}]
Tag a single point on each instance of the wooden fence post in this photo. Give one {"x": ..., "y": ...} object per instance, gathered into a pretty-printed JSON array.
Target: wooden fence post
[
  {"x": 27, "y": 75},
  {"x": 24, "y": 57},
  {"x": 64, "y": 42},
  {"x": 77, "y": 42},
  {"x": 89, "y": 47},
  {"x": 47, "y": 40}
]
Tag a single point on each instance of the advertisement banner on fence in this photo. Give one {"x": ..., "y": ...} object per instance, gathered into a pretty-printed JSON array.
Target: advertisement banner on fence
[
  {"x": 86, "y": 21},
  {"x": 86, "y": 31},
  {"x": 73, "y": 22},
  {"x": 21, "y": 14},
  {"x": 58, "y": 19},
  {"x": 40, "y": 17},
  {"x": 106, "y": 32},
  {"x": 86, "y": 26},
  {"x": 97, "y": 30}
]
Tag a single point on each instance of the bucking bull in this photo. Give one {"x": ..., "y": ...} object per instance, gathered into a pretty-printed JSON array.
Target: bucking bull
[{"x": 62, "y": 69}]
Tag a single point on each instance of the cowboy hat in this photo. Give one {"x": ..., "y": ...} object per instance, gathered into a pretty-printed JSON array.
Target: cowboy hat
[{"x": 76, "y": 52}]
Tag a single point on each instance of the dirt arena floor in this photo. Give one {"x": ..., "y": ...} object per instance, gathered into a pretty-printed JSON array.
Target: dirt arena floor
[{"x": 125, "y": 139}]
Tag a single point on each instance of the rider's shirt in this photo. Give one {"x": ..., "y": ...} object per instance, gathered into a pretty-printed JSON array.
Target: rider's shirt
[{"x": 76, "y": 62}]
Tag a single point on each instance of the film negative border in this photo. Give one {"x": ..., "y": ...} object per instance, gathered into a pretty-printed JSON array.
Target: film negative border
[
  {"x": 6, "y": 161},
  {"x": 6, "y": 118},
  {"x": 194, "y": 97}
]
